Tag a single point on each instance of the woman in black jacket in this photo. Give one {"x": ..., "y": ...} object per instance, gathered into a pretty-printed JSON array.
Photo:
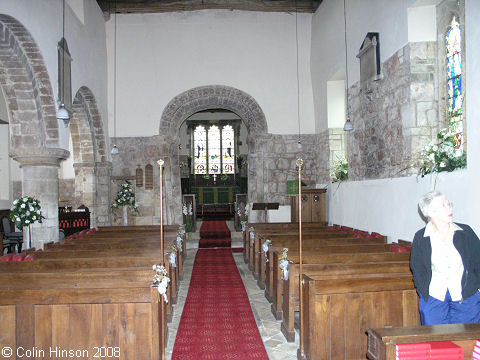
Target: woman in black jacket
[{"x": 445, "y": 263}]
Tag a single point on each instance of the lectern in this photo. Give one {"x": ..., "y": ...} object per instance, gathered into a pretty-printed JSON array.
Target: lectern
[{"x": 265, "y": 207}]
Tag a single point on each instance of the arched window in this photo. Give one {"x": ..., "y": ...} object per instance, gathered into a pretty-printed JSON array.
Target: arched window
[
  {"x": 200, "y": 150},
  {"x": 453, "y": 43},
  {"x": 213, "y": 149},
  {"x": 228, "y": 149}
]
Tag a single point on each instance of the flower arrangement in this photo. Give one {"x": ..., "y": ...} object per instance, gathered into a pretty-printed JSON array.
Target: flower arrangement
[
  {"x": 125, "y": 197},
  {"x": 445, "y": 155},
  {"x": 160, "y": 281},
  {"x": 243, "y": 216},
  {"x": 188, "y": 212},
  {"x": 26, "y": 211},
  {"x": 284, "y": 264},
  {"x": 172, "y": 257},
  {"x": 266, "y": 246},
  {"x": 339, "y": 170}
]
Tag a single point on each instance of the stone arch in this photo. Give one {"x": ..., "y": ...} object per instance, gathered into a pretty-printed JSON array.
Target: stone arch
[
  {"x": 198, "y": 99},
  {"x": 208, "y": 97},
  {"x": 34, "y": 137},
  {"x": 86, "y": 127},
  {"x": 89, "y": 157},
  {"x": 26, "y": 84}
]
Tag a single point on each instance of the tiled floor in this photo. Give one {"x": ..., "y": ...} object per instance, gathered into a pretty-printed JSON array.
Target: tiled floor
[{"x": 275, "y": 344}]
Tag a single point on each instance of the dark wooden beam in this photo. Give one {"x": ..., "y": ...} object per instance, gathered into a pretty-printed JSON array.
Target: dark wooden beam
[{"x": 158, "y": 6}]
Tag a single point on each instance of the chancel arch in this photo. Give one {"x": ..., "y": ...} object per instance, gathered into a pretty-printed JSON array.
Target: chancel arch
[{"x": 197, "y": 100}]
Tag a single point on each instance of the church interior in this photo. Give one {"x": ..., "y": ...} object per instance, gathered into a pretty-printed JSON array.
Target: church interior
[{"x": 208, "y": 137}]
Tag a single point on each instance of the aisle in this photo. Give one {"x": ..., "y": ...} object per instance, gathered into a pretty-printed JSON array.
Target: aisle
[
  {"x": 214, "y": 233},
  {"x": 217, "y": 321}
]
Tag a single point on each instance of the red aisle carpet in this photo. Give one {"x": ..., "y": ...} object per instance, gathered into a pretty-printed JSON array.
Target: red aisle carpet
[
  {"x": 214, "y": 234},
  {"x": 217, "y": 322}
]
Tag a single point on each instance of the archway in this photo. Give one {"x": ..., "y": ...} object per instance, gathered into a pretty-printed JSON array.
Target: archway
[
  {"x": 33, "y": 123},
  {"x": 89, "y": 152},
  {"x": 202, "y": 98}
]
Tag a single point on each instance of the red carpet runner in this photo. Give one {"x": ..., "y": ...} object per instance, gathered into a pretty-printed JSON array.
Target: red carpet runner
[
  {"x": 214, "y": 234},
  {"x": 217, "y": 322}
]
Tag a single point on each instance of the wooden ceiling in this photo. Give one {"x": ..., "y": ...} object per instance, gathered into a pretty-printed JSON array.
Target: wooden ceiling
[{"x": 159, "y": 6}]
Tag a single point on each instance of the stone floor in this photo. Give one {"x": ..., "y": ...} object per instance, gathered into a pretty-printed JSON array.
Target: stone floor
[{"x": 275, "y": 344}]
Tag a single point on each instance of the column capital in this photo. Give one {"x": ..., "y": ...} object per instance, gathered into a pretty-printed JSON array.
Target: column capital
[{"x": 39, "y": 156}]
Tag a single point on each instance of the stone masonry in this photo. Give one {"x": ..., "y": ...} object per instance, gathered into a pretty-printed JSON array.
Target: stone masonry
[{"x": 395, "y": 117}]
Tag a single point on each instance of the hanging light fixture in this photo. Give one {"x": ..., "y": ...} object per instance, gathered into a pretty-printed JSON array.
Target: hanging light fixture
[
  {"x": 62, "y": 113},
  {"x": 115, "y": 148},
  {"x": 299, "y": 144},
  {"x": 348, "y": 124}
]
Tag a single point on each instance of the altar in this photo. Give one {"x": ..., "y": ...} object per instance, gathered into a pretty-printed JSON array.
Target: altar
[{"x": 215, "y": 194}]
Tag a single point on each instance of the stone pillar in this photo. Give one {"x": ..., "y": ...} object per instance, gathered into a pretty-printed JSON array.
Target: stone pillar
[
  {"x": 85, "y": 188},
  {"x": 103, "y": 172},
  {"x": 40, "y": 180}
]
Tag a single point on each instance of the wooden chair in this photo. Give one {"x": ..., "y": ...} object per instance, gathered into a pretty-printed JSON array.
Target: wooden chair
[{"x": 14, "y": 237}]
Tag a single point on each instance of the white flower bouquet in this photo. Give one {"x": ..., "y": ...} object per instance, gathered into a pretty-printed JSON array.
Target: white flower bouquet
[
  {"x": 26, "y": 211},
  {"x": 125, "y": 197},
  {"x": 339, "y": 170},
  {"x": 160, "y": 281},
  {"x": 445, "y": 155}
]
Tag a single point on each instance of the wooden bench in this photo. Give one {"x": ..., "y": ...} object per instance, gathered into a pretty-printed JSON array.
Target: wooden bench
[
  {"x": 382, "y": 341},
  {"x": 352, "y": 253},
  {"x": 74, "y": 269},
  {"x": 337, "y": 313},
  {"x": 259, "y": 227},
  {"x": 278, "y": 243},
  {"x": 291, "y": 287},
  {"x": 125, "y": 320}
]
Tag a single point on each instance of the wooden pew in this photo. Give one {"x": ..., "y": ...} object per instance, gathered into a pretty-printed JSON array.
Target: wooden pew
[
  {"x": 274, "y": 284},
  {"x": 291, "y": 286},
  {"x": 278, "y": 243},
  {"x": 124, "y": 320},
  {"x": 72, "y": 269},
  {"x": 337, "y": 313},
  {"x": 283, "y": 229},
  {"x": 382, "y": 341},
  {"x": 277, "y": 227}
]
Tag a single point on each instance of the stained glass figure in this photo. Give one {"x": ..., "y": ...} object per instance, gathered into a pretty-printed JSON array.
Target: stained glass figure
[
  {"x": 200, "y": 150},
  {"x": 214, "y": 160},
  {"x": 453, "y": 41},
  {"x": 228, "y": 150}
]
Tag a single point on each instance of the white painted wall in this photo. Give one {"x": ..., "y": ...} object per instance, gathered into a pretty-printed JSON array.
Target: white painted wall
[
  {"x": 86, "y": 42},
  {"x": 336, "y": 103},
  {"x": 162, "y": 55},
  {"x": 422, "y": 23},
  {"x": 389, "y": 18},
  {"x": 390, "y": 206}
]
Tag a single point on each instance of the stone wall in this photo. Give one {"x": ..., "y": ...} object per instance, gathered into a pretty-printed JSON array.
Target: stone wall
[
  {"x": 66, "y": 193},
  {"x": 337, "y": 144},
  {"x": 134, "y": 151},
  {"x": 271, "y": 162},
  {"x": 393, "y": 117}
]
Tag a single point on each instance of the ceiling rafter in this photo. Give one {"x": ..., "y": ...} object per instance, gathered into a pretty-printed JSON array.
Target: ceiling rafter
[{"x": 159, "y": 6}]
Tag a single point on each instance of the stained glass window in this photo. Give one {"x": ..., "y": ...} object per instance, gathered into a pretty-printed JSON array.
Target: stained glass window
[
  {"x": 453, "y": 41},
  {"x": 228, "y": 150},
  {"x": 214, "y": 159},
  {"x": 214, "y": 150},
  {"x": 200, "y": 150}
]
